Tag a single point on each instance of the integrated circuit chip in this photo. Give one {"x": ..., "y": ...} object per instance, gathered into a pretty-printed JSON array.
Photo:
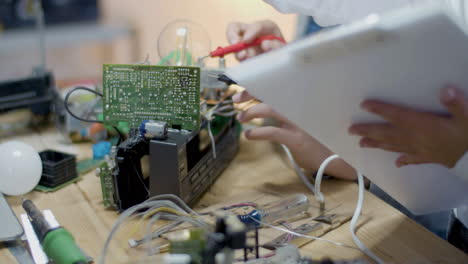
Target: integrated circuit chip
[{"x": 133, "y": 93}]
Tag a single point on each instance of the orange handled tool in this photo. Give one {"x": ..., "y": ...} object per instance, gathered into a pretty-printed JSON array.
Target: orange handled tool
[{"x": 222, "y": 51}]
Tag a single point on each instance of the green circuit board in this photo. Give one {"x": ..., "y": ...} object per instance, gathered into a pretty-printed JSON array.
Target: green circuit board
[
  {"x": 107, "y": 186},
  {"x": 133, "y": 93}
]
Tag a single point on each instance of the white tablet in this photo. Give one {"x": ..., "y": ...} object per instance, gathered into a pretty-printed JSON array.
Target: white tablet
[{"x": 404, "y": 57}]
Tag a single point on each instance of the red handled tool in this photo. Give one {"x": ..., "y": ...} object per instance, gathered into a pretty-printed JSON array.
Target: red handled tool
[{"x": 222, "y": 51}]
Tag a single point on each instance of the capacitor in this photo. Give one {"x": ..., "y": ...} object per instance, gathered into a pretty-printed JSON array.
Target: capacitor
[{"x": 153, "y": 129}]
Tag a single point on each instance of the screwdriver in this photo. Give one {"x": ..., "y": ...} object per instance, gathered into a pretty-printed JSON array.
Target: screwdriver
[
  {"x": 222, "y": 51},
  {"x": 57, "y": 243}
]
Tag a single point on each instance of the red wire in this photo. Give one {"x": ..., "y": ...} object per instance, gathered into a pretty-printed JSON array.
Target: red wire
[{"x": 222, "y": 51}]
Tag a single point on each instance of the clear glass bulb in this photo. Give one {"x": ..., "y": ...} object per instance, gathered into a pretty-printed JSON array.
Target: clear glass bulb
[{"x": 182, "y": 42}]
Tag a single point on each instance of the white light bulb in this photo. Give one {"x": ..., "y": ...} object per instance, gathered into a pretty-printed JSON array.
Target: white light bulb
[{"x": 20, "y": 168}]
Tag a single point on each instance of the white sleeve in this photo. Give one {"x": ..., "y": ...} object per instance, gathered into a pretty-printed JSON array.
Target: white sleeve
[
  {"x": 461, "y": 168},
  {"x": 337, "y": 12}
]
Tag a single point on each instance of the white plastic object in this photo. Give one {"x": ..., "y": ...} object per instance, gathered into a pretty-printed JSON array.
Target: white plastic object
[
  {"x": 404, "y": 57},
  {"x": 20, "y": 167},
  {"x": 35, "y": 247}
]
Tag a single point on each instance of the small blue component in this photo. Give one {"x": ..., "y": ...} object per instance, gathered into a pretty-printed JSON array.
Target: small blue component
[
  {"x": 101, "y": 149},
  {"x": 248, "y": 219},
  {"x": 143, "y": 128}
]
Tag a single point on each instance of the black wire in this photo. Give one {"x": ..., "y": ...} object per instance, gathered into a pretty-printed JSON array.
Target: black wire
[
  {"x": 121, "y": 136},
  {"x": 71, "y": 113},
  {"x": 140, "y": 177},
  {"x": 225, "y": 79}
]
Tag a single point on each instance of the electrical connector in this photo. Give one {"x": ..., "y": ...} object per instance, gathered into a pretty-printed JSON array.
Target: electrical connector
[{"x": 225, "y": 79}]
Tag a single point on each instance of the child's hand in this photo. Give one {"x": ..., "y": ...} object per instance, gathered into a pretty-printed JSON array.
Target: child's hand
[
  {"x": 421, "y": 137},
  {"x": 307, "y": 151}
]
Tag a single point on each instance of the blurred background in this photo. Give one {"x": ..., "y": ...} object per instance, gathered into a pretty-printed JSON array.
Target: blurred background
[
  {"x": 81, "y": 35},
  {"x": 49, "y": 47}
]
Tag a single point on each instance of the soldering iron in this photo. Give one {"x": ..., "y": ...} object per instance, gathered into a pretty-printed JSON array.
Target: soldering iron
[{"x": 57, "y": 243}]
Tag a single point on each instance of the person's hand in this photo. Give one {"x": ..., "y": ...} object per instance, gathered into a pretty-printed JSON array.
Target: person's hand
[
  {"x": 421, "y": 137},
  {"x": 307, "y": 151},
  {"x": 237, "y": 32}
]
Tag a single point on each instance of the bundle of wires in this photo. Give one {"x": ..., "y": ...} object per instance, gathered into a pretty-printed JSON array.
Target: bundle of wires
[
  {"x": 224, "y": 108},
  {"x": 320, "y": 197},
  {"x": 162, "y": 207},
  {"x": 172, "y": 208}
]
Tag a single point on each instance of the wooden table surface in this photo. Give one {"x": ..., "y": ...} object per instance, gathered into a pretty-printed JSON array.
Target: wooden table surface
[{"x": 391, "y": 235}]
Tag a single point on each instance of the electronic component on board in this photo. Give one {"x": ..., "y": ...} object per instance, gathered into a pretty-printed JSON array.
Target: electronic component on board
[
  {"x": 182, "y": 127},
  {"x": 172, "y": 147},
  {"x": 201, "y": 246},
  {"x": 153, "y": 129},
  {"x": 134, "y": 93},
  {"x": 179, "y": 164}
]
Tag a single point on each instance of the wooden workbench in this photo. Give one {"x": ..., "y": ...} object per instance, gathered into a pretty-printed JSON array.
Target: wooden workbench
[{"x": 391, "y": 235}]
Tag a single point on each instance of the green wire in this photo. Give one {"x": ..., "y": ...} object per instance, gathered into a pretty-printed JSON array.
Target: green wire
[{"x": 175, "y": 54}]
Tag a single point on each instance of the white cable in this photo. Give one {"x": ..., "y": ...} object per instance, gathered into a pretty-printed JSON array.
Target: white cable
[
  {"x": 319, "y": 196},
  {"x": 209, "y": 117},
  {"x": 212, "y": 139},
  {"x": 357, "y": 211},
  {"x": 164, "y": 200},
  {"x": 318, "y": 178},
  {"x": 354, "y": 220},
  {"x": 302, "y": 235},
  {"x": 298, "y": 170},
  {"x": 223, "y": 108}
]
